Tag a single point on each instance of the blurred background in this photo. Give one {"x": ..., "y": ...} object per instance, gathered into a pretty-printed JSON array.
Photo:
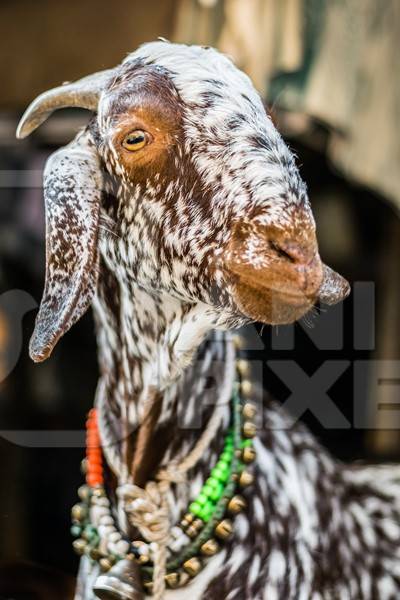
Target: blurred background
[{"x": 328, "y": 72}]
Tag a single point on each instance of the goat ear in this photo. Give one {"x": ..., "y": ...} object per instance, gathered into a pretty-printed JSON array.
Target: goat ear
[
  {"x": 72, "y": 192},
  {"x": 334, "y": 287}
]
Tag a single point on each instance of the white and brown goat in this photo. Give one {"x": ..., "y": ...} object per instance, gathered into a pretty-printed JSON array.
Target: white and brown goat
[{"x": 177, "y": 211}]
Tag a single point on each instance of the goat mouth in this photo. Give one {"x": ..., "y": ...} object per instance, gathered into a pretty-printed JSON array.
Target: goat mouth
[
  {"x": 294, "y": 285},
  {"x": 271, "y": 306}
]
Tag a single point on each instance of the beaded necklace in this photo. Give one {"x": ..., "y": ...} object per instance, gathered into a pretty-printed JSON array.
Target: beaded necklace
[{"x": 205, "y": 525}]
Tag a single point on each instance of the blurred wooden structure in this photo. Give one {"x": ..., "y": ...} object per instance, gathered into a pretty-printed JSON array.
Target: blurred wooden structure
[{"x": 45, "y": 43}]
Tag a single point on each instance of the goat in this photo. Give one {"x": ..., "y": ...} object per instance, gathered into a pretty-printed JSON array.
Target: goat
[{"x": 178, "y": 211}]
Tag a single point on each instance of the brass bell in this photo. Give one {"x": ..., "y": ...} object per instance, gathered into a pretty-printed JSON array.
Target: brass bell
[
  {"x": 105, "y": 564},
  {"x": 78, "y": 512},
  {"x": 249, "y": 410},
  {"x": 187, "y": 520},
  {"x": 94, "y": 554},
  {"x": 224, "y": 529},
  {"x": 79, "y": 546},
  {"x": 242, "y": 367},
  {"x": 237, "y": 341},
  {"x": 172, "y": 580},
  {"x": 84, "y": 465},
  {"x": 192, "y": 531},
  {"x": 248, "y": 455},
  {"x": 192, "y": 566},
  {"x": 210, "y": 547},
  {"x": 122, "y": 582},
  {"x": 183, "y": 579},
  {"x": 245, "y": 388},
  {"x": 245, "y": 479},
  {"x": 84, "y": 492},
  {"x": 236, "y": 504},
  {"x": 98, "y": 492},
  {"x": 198, "y": 523},
  {"x": 249, "y": 429}
]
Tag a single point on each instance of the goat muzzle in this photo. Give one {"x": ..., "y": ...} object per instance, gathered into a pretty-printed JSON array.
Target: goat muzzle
[{"x": 276, "y": 278}]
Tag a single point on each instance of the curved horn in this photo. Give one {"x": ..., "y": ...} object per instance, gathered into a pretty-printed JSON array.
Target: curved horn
[{"x": 83, "y": 93}]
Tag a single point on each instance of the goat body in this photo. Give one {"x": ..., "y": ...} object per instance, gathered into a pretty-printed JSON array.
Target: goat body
[{"x": 178, "y": 211}]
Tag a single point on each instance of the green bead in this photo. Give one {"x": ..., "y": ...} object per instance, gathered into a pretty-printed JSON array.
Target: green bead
[
  {"x": 202, "y": 498},
  {"x": 207, "y": 512},
  {"x": 217, "y": 493},
  {"x": 221, "y": 472},
  {"x": 226, "y": 472},
  {"x": 195, "y": 508},
  {"x": 227, "y": 455},
  {"x": 90, "y": 533},
  {"x": 216, "y": 473},
  {"x": 207, "y": 489},
  {"x": 212, "y": 482},
  {"x": 76, "y": 530}
]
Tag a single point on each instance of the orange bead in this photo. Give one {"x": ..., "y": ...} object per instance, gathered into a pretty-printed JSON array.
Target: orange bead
[
  {"x": 94, "y": 480},
  {"x": 94, "y": 475},
  {"x": 93, "y": 446},
  {"x": 94, "y": 455},
  {"x": 93, "y": 441},
  {"x": 95, "y": 469}
]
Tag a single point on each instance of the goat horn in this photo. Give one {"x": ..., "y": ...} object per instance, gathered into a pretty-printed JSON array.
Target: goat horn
[{"x": 83, "y": 93}]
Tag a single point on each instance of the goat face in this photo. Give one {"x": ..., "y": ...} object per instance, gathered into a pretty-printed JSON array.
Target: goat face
[{"x": 201, "y": 195}]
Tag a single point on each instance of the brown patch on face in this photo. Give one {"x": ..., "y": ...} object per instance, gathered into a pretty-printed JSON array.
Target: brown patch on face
[
  {"x": 147, "y": 102},
  {"x": 275, "y": 273}
]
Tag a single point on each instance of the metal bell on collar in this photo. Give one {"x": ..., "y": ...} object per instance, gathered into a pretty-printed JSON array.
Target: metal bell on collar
[{"x": 122, "y": 582}]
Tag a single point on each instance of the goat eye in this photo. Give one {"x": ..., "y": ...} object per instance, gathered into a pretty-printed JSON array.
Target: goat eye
[{"x": 135, "y": 140}]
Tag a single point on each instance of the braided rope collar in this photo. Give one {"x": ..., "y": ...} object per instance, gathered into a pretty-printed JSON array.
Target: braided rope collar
[{"x": 167, "y": 555}]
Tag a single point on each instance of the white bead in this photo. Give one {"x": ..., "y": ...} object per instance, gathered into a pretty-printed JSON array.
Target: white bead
[
  {"x": 176, "y": 532},
  {"x": 106, "y": 520},
  {"x": 179, "y": 543},
  {"x": 103, "y": 501},
  {"x": 103, "y": 545},
  {"x": 105, "y": 530},
  {"x": 96, "y": 512},
  {"x": 115, "y": 537},
  {"x": 111, "y": 548},
  {"x": 122, "y": 547},
  {"x": 143, "y": 549}
]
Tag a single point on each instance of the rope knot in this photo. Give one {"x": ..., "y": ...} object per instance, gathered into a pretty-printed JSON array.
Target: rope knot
[{"x": 146, "y": 510}]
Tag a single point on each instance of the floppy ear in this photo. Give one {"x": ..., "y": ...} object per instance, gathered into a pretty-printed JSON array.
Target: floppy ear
[
  {"x": 334, "y": 287},
  {"x": 72, "y": 192}
]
